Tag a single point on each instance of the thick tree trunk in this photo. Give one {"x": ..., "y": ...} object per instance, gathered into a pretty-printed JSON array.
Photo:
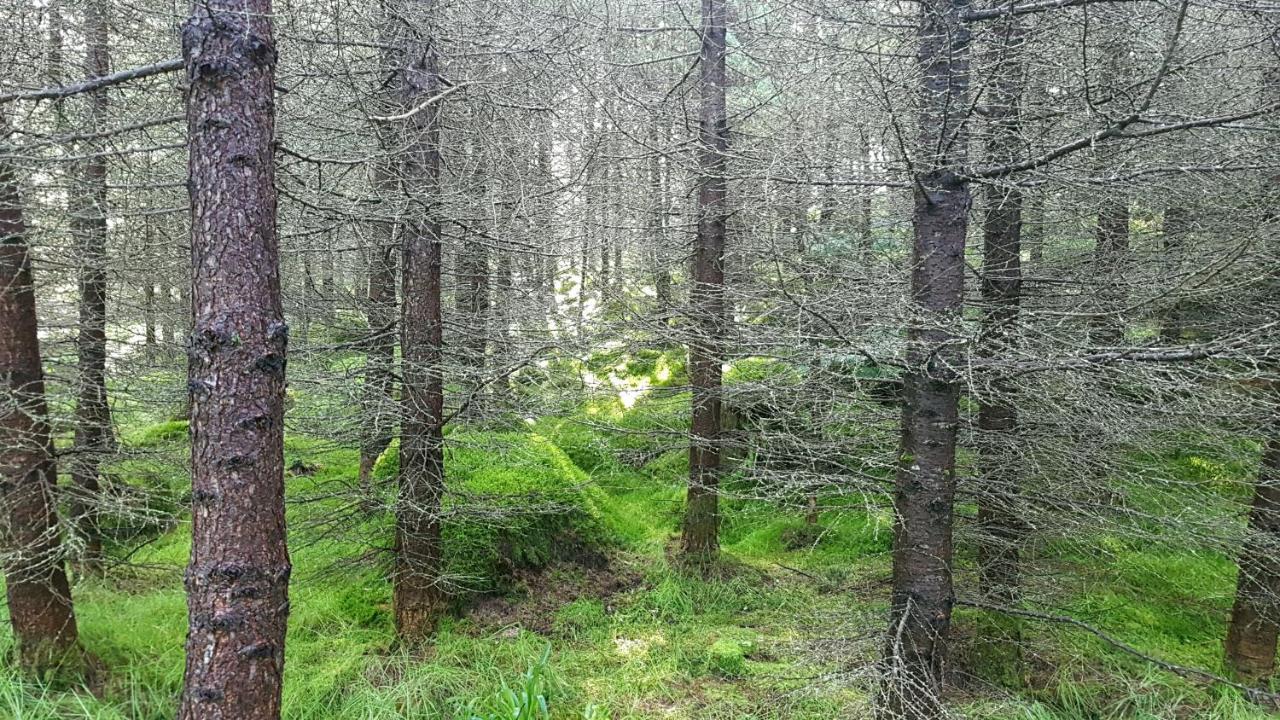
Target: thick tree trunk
[
  {"x": 923, "y": 595},
  {"x": 94, "y": 437},
  {"x": 39, "y": 596},
  {"x": 238, "y": 577},
  {"x": 700, "y": 539},
  {"x": 419, "y": 596}
]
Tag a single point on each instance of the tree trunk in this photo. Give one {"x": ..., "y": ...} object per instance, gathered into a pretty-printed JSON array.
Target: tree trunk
[
  {"x": 1111, "y": 263},
  {"x": 658, "y": 231},
  {"x": 922, "y": 597},
  {"x": 238, "y": 577},
  {"x": 419, "y": 597},
  {"x": 1255, "y": 615},
  {"x": 378, "y": 391},
  {"x": 39, "y": 596},
  {"x": 94, "y": 437},
  {"x": 998, "y": 526},
  {"x": 1177, "y": 222},
  {"x": 700, "y": 539},
  {"x": 473, "y": 301}
]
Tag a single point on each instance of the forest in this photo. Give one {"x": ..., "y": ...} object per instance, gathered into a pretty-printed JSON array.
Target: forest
[{"x": 623, "y": 359}]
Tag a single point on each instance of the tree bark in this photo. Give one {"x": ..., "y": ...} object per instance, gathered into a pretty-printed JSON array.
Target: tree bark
[
  {"x": 238, "y": 577},
  {"x": 1255, "y": 615},
  {"x": 378, "y": 391},
  {"x": 94, "y": 438},
  {"x": 1000, "y": 534},
  {"x": 700, "y": 540},
  {"x": 419, "y": 596},
  {"x": 39, "y": 596},
  {"x": 1111, "y": 263},
  {"x": 923, "y": 595}
]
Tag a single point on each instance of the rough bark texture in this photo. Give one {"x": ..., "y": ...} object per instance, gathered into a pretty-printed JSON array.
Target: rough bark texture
[
  {"x": 922, "y": 598},
  {"x": 94, "y": 437},
  {"x": 238, "y": 578},
  {"x": 1255, "y": 616},
  {"x": 419, "y": 596},
  {"x": 702, "y": 516},
  {"x": 39, "y": 597}
]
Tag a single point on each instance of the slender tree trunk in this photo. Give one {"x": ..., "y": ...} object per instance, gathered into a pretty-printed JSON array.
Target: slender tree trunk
[
  {"x": 94, "y": 437},
  {"x": 419, "y": 597},
  {"x": 923, "y": 595},
  {"x": 547, "y": 264},
  {"x": 1173, "y": 243},
  {"x": 473, "y": 301},
  {"x": 1111, "y": 263},
  {"x": 700, "y": 539},
  {"x": 39, "y": 596},
  {"x": 238, "y": 577},
  {"x": 999, "y": 528},
  {"x": 378, "y": 391}
]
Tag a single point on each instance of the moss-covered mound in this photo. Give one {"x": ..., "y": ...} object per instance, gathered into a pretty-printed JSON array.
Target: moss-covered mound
[{"x": 514, "y": 501}]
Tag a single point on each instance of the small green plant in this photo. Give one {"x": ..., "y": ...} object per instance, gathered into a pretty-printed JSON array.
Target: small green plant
[{"x": 527, "y": 700}]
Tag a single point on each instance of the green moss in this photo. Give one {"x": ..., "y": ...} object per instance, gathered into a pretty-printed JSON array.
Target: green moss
[{"x": 163, "y": 433}]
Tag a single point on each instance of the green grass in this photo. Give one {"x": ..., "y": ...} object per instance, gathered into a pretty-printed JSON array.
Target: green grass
[{"x": 788, "y": 627}]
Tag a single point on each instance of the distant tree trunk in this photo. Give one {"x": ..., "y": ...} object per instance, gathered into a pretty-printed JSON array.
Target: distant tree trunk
[
  {"x": 419, "y": 597},
  {"x": 378, "y": 391},
  {"x": 39, "y": 596},
  {"x": 546, "y": 269},
  {"x": 700, "y": 539},
  {"x": 1173, "y": 245},
  {"x": 238, "y": 577},
  {"x": 1111, "y": 262},
  {"x": 658, "y": 232},
  {"x": 923, "y": 594},
  {"x": 473, "y": 299},
  {"x": 94, "y": 437},
  {"x": 866, "y": 214},
  {"x": 148, "y": 298},
  {"x": 998, "y": 515}
]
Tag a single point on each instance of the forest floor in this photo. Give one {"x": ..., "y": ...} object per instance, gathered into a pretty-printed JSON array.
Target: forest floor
[{"x": 787, "y": 627}]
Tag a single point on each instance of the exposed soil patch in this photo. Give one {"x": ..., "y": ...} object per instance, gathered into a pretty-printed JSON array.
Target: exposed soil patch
[{"x": 537, "y": 593}]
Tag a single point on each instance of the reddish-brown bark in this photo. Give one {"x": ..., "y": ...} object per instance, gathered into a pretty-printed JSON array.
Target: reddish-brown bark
[
  {"x": 418, "y": 595},
  {"x": 700, "y": 538},
  {"x": 38, "y": 594},
  {"x": 238, "y": 577}
]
